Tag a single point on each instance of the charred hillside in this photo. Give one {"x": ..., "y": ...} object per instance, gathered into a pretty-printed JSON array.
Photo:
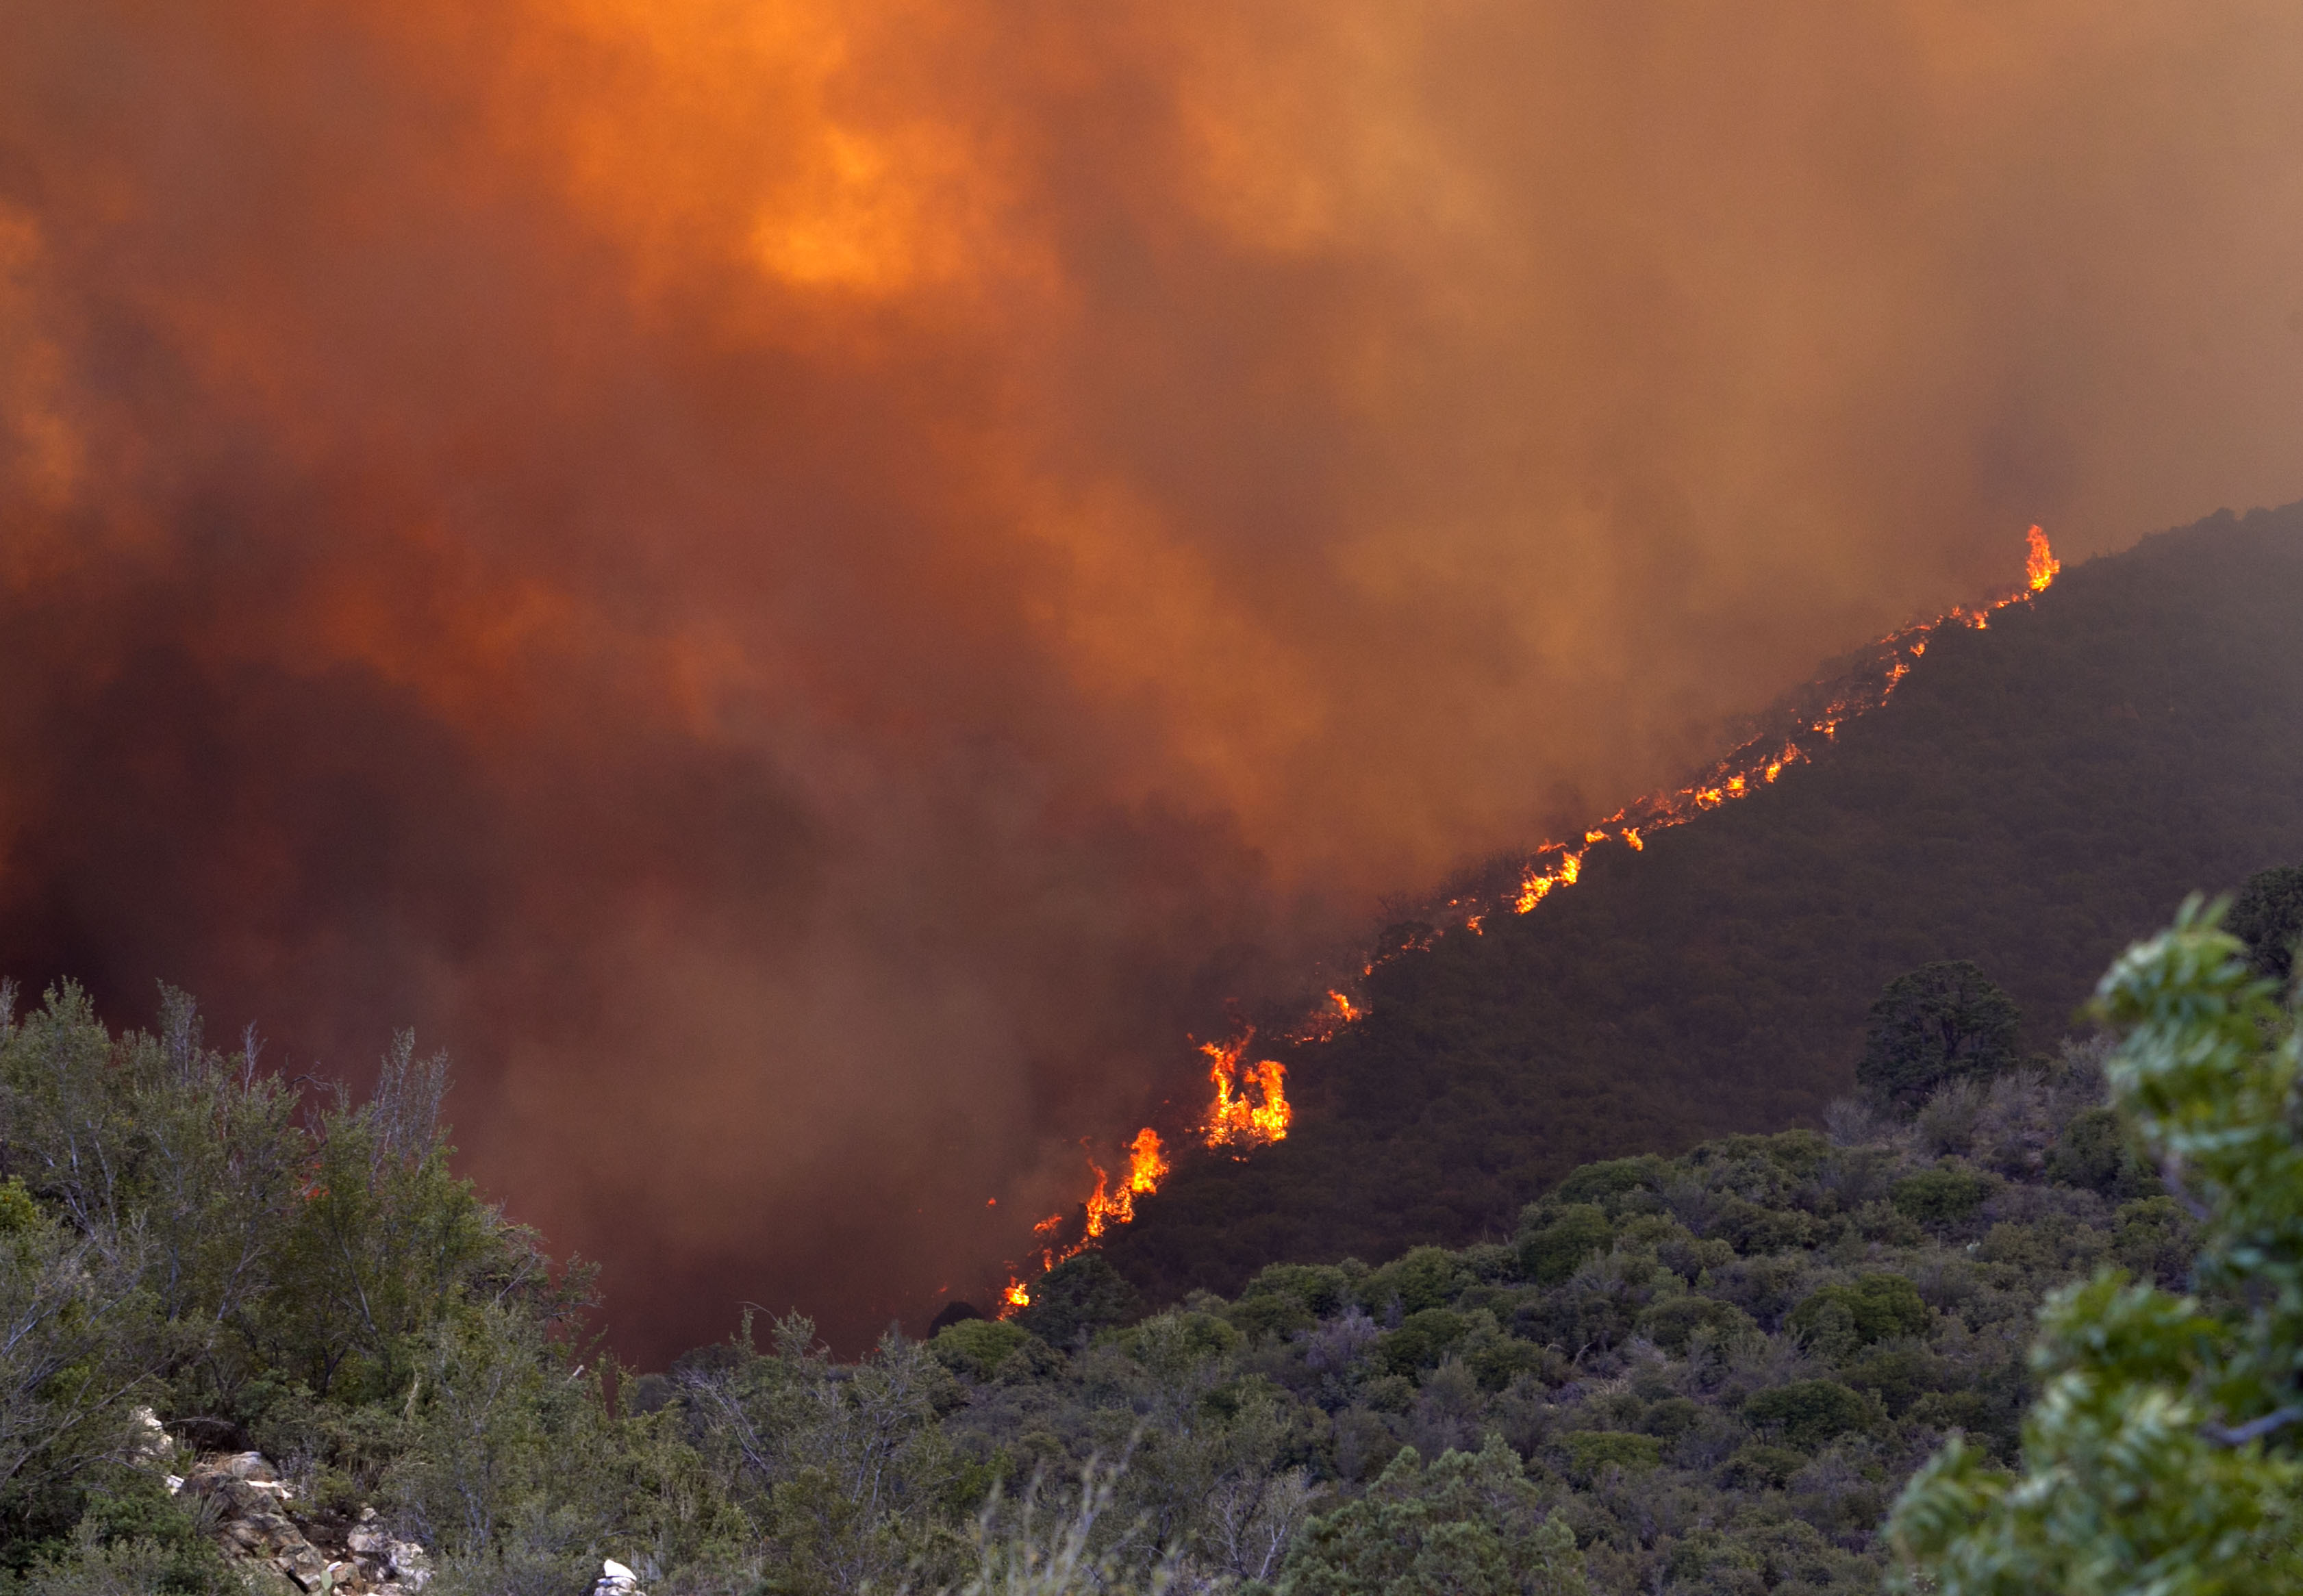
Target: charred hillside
[{"x": 2036, "y": 795}]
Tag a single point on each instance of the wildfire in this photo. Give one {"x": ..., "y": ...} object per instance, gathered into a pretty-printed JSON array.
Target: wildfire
[
  {"x": 1235, "y": 1119},
  {"x": 2041, "y": 567},
  {"x": 1250, "y": 1108},
  {"x": 1760, "y": 763}
]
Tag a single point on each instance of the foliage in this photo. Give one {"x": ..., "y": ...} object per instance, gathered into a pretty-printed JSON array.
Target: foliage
[
  {"x": 1933, "y": 1025},
  {"x": 2267, "y": 915},
  {"x": 1711, "y": 1372},
  {"x": 2162, "y": 1453},
  {"x": 1469, "y": 1523}
]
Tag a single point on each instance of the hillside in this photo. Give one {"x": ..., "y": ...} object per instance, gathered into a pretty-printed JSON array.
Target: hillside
[
  {"x": 297, "y": 1346},
  {"x": 2032, "y": 797}
]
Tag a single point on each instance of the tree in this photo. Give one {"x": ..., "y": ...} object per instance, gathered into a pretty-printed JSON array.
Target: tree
[
  {"x": 1077, "y": 1298},
  {"x": 2162, "y": 1455},
  {"x": 1934, "y": 1024},
  {"x": 1470, "y": 1523},
  {"x": 2268, "y": 917}
]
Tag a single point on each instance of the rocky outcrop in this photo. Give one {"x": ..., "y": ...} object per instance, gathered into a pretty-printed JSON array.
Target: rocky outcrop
[{"x": 257, "y": 1522}]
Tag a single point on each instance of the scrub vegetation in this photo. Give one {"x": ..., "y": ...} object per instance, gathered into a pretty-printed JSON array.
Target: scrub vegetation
[{"x": 1716, "y": 1372}]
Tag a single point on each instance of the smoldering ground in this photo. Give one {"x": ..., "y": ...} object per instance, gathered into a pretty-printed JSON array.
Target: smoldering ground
[{"x": 809, "y": 590}]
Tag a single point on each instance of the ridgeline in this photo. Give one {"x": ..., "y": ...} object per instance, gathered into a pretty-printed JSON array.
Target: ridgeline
[{"x": 2036, "y": 795}]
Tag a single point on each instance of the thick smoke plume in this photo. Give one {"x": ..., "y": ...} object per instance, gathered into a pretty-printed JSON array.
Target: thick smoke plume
[{"x": 809, "y": 588}]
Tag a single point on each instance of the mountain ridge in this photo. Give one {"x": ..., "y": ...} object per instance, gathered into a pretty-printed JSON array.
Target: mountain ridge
[{"x": 2040, "y": 791}]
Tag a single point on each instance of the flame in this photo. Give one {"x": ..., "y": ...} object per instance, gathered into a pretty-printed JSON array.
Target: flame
[
  {"x": 1235, "y": 1119},
  {"x": 1556, "y": 865},
  {"x": 1559, "y": 864},
  {"x": 2041, "y": 567},
  {"x": 1147, "y": 1162},
  {"x": 1250, "y": 1108}
]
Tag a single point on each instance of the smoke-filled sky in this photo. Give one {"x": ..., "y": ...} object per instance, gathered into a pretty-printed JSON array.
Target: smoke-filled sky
[{"x": 810, "y": 588}]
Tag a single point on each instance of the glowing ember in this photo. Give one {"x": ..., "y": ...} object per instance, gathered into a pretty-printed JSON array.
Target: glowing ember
[{"x": 1344, "y": 1009}]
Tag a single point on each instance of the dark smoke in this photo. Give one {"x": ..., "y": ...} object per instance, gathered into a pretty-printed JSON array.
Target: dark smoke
[{"x": 809, "y": 593}]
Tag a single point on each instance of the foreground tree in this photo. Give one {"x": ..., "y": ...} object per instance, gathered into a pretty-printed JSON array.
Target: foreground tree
[
  {"x": 2267, "y": 915},
  {"x": 2162, "y": 1455}
]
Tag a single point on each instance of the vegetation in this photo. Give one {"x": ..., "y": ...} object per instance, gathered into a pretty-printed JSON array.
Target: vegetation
[
  {"x": 1714, "y": 1372},
  {"x": 2162, "y": 1455}
]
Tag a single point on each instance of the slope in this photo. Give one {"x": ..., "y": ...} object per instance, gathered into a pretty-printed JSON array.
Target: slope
[{"x": 2036, "y": 795}]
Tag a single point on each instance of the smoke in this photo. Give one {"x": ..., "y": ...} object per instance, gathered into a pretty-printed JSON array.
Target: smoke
[{"x": 809, "y": 589}]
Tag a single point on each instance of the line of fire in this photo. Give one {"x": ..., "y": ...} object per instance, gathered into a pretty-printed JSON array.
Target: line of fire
[{"x": 1249, "y": 1108}]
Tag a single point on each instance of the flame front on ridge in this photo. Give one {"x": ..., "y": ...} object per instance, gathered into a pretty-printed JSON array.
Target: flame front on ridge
[{"x": 1250, "y": 1108}]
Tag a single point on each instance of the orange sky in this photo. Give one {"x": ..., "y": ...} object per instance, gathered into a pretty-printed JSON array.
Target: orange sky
[{"x": 808, "y": 588}]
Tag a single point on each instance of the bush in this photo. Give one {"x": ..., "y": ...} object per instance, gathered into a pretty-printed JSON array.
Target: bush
[
  {"x": 1942, "y": 1196},
  {"x": 976, "y": 1347},
  {"x": 2163, "y": 1453},
  {"x": 1807, "y": 1413},
  {"x": 1550, "y": 1254},
  {"x": 1077, "y": 1298},
  {"x": 1876, "y": 1307},
  {"x": 1469, "y": 1523},
  {"x": 1592, "y": 1452}
]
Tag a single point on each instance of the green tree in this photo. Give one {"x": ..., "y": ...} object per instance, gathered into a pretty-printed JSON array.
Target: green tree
[
  {"x": 2267, "y": 915},
  {"x": 1936, "y": 1023},
  {"x": 2161, "y": 1456},
  {"x": 1077, "y": 1298},
  {"x": 1471, "y": 1523}
]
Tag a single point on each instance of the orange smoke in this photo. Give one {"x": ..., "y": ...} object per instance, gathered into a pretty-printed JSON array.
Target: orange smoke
[{"x": 815, "y": 583}]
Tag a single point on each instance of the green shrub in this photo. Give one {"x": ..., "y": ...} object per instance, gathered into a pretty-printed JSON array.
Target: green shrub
[
  {"x": 1876, "y": 1307},
  {"x": 1671, "y": 1322},
  {"x": 1942, "y": 1196},
  {"x": 977, "y": 1347},
  {"x": 1759, "y": 1467},
  {"x": 1422, "y": 1340},
  {"x": 1592, "y": 1452},
  {"x": 1429, "y": 1277},
  {"x": 1550, "y": 1254},
  {"x": 1807, "y": 1413}
]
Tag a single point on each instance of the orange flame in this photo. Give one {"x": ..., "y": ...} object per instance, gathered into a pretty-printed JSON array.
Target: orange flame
[
  {"x": 2042, "y": 566},
  {"x": 1147, "y": 1162},
  {"x": 1557, "y": 864},
  {"x": 1250, "y": 1107},
  {"x": 1235, "y": 1119}
]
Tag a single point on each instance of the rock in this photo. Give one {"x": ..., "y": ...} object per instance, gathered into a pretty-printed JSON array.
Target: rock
[
  {"x": 150, "y": 1445},
  {"x": 254, "y": 1524},
  {"x": 616, "y": 1580},
  {"x": 410, "y": 1564}
]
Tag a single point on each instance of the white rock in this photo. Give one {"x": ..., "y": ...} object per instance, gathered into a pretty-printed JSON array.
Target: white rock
[{"x": 616, "y": 1580}]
